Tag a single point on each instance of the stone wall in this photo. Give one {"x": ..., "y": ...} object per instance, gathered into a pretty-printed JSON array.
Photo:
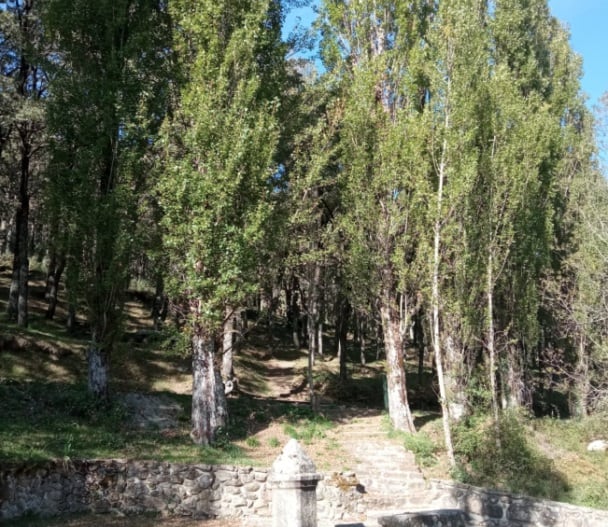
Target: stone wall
[
  {"x": 132, "y": 487},
  {"x": 499, "y": 509},
  {"x": 197, "y": 490}
]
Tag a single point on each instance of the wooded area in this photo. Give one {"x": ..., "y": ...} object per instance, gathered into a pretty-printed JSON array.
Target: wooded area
[{"x": 433, "y": 183}]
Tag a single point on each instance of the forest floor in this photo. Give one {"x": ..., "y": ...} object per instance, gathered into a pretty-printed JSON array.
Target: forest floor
[{"x": 269, "y": 408}]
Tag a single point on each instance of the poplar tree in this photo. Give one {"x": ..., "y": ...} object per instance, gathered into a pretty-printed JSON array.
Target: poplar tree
[
  {"x": 103, "y": 110},
  {"x": 215, "y": 191},
  {"x": 375, "y": 52},
  {"x": 459, "y": 52},
  {"x": 534, "y": 89}
]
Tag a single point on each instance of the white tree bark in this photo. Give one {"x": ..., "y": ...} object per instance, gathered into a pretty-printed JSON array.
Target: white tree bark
[
  {"x": 398, "y": 405},
  {"x": 209, "y": 406}
]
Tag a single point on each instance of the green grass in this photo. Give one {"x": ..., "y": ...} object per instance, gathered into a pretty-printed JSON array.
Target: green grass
[
  {"x": 308, "y": 430},
  {"x": 420, "y": 444},
  {"x": 505, "y": 457},
  {"x": 40, "y": 421},
  {"x": 585, "y": 472}
]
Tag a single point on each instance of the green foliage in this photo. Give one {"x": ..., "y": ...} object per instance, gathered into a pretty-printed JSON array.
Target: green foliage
[
  {"x": 42, "y": 421},
  {"x": 307, "y": 430},
  {"x": 420, "y": 444},
  {"x": 422, "y": 447},
  {"x": 107, "y": 98},
  {"x": 502, "y": 457},
  {"x": 585, "y": 471},
  {"x": 220, "y": 143}
]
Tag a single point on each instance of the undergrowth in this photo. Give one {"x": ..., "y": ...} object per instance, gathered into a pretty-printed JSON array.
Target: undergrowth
[
  {"x": 501, "y": 456},
  {"x": 302, "y": 424},
  {"x": 41, "y": 421},
  {"x": 420, "y": 444}
]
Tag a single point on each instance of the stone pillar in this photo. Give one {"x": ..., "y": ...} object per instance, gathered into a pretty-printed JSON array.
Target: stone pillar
[{"x": 294, "y": 481}]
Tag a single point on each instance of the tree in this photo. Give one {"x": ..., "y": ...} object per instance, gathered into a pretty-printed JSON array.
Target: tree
[
  {"x": 535, "y": 91},
  {"x": 22, "y": 131},
  {"x": 378, "y": 67},
  {"x": 103, "y": 111},
  {"x": 220, "y": 144}
]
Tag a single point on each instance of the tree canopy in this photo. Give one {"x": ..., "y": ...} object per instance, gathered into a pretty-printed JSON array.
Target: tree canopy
[{"x": 432, "y": 182}]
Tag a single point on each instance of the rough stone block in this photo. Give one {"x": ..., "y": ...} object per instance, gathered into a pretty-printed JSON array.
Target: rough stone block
[{"x": 443, "y": 518}]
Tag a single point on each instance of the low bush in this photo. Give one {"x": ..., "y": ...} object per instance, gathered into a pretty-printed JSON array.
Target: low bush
[{"x": 500, "y": 456}]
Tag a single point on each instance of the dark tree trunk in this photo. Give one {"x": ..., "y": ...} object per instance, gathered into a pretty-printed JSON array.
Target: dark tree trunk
[
  {"x": 419, "y": 344},
  {"x": 209, "y": 406},
  {"x": 294, "y": 316},
  {"x": 71, "y": 321},
  {"x": 56, "y": 268},
  {"x": 342, "y": 319},
  {"x": 18, "y": 294},
  {"x": 160, "y": 305}
]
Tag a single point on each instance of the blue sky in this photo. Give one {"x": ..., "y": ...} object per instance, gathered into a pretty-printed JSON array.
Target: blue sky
[{"x": 588, "y": 24}]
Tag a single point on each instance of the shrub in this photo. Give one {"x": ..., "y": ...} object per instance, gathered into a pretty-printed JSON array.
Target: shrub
[
  {"x": 500, "y": 456},
  {"x": 423, "y": 448}
]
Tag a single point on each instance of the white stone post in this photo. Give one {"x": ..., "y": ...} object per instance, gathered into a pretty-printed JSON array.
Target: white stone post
[{"x": 294, "y": 481}]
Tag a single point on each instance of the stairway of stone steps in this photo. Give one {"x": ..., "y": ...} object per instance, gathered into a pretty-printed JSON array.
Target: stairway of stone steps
[{"x": 386, "y": 471}]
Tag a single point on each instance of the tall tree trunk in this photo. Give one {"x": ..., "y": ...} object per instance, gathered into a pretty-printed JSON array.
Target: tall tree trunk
[
  {"x": 342, "y": 317},
  {"x": 228, "y": 343},
  {"x": 435, "y": 293},
  {"x": 320, "y": 337},
  {"x": 419, "y": 344},
  {"x": 293, "y": 313},
  {"x": 98, "y": 360},
  {"x": 56, "y": 267},
  {"x": 313, "y": 316},
  {"x": 490, "y": 341},
  {"x": 436, "y": 333},
  {"x": 209, "y": 405},
  {"x": 515, "y": 389},
  {"x": 398, "y": 406},
  {"x": 361, "y": 330},
  {"x": 160, "y": 305},
  {"x": 18, "y": 295},
  {"x": 582, "y": 382}
]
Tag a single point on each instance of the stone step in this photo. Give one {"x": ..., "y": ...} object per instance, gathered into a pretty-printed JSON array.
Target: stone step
[
  {"x": 405, "y": 478},
  {"x": 383, "y": 466}
]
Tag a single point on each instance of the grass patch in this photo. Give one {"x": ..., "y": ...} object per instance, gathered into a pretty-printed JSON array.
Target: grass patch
[
  {"x": 585, "y": 472},
  {"x": 309, "y": 429},
  {"x": 40, "y": 421},
  {"x": 503, "y": 457},
  {"x": 420, "y": 444}
]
